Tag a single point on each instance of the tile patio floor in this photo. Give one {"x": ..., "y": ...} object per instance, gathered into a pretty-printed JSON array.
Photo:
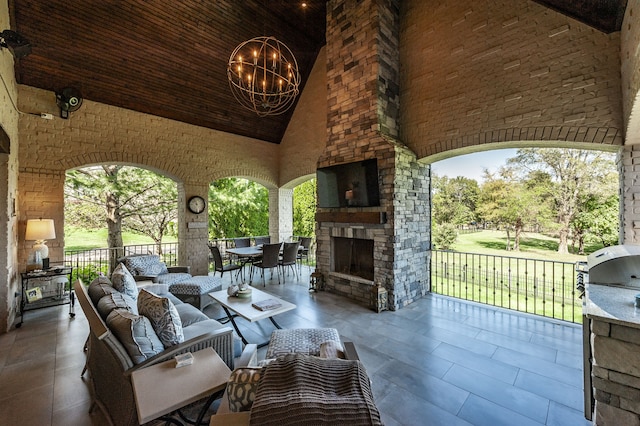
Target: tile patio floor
[{"x": 438, "y": 361}]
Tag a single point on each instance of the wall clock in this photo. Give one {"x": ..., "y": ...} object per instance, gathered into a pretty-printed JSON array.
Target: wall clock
[{"x": 196, "y": 204}]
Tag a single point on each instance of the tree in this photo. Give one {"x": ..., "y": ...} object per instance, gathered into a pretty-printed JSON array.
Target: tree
[
  {"x": 597, "y": 214},
  {"x": 571, "y": 172},
  {"x": 238, "y": 208},
  {"x": 130, "y": 198},
  {"x": 511, "y": 203},
  {"x": 454, "y": 200},
  {"x": 304, "y": 209},
  {"x": 444, "y": 236}
]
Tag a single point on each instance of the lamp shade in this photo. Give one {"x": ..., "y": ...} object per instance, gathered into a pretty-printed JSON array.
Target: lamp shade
[{"x": 40, "y": 229}]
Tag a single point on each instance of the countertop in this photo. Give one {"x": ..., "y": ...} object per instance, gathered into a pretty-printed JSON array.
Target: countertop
[{"x": 614, "y": 304}]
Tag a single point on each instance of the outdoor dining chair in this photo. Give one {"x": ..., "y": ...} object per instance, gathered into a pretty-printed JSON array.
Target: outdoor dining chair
[
  {"x": 270, "y": 259},
  {"x": 219, "y": 266},
  {"x": 289, "y": 258}
]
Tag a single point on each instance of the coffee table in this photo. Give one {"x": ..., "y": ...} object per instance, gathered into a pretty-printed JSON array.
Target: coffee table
[{"x": 243, "y": 308}]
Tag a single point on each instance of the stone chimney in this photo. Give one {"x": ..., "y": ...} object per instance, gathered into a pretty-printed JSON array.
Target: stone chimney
[{"x": 363, "y": 123}]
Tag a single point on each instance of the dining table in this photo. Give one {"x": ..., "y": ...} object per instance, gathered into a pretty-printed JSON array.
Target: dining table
[{"x": 246, "y": 255}]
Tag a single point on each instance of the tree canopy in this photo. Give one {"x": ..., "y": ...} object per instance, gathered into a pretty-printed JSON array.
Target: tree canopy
[{"x": 565, "y": 192}]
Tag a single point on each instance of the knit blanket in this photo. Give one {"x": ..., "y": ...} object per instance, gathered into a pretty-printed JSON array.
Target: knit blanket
[{"x": 300, "y": 389}]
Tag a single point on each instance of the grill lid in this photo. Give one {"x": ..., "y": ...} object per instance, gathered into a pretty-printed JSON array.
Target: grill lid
[{"x": 615, "y": 265}]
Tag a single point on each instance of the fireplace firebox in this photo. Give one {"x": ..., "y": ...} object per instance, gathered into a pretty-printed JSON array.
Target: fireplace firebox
[{"x": 352, "y": 256}]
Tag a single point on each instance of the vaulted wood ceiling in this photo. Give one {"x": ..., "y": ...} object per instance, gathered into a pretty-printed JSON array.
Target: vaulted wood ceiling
[{"x": 168, "y": 58}]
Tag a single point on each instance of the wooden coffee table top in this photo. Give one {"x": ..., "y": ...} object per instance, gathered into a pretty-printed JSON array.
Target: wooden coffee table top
[
  {"x": 242, "y": 306},
  {"x": 161, "y": 388}
]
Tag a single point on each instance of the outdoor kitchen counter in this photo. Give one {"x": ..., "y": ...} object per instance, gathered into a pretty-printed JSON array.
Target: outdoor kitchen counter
[{"x": 612, "y": 304}]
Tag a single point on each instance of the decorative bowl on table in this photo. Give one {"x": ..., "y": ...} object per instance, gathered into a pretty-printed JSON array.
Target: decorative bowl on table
[{"x": 244, "y": 293}]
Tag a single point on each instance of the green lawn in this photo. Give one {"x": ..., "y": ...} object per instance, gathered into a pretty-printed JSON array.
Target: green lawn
[
  {"x": 528, "y": 280},
  {"x": 532, "y": 246},
  {"x": 82, "y": 239}
]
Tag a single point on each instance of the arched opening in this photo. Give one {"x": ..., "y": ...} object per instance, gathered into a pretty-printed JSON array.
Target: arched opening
[
  {"x": 113, "y": 210},
  {"x": 508, "y": 226}
]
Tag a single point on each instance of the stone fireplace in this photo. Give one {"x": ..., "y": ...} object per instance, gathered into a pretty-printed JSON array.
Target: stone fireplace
[{"x": 362, "y": 124}]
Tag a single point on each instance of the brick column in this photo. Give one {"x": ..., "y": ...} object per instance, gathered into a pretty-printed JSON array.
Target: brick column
[
  {"x": 193, "y": 229},
  {"x": 629, "y": 172},
  {"x": 280, "y": 214}
]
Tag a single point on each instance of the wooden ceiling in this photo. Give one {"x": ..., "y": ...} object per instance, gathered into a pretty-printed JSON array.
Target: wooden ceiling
[
  {"x": 166, "y": 58},
  {"x": 169, "y": 58}
]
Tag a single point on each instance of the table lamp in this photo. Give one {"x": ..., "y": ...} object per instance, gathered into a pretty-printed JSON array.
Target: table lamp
[{"x": 40, "y": 230}]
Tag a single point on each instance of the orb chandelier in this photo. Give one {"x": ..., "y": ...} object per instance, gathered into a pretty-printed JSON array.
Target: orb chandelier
[{"x": 263, "y": 76}]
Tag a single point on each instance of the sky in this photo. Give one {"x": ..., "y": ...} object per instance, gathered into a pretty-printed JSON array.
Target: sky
[{"x": 472, "y": 165}]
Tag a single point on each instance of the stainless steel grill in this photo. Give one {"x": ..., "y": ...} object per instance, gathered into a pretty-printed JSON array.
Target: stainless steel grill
[{"x": 616, "y": 265}]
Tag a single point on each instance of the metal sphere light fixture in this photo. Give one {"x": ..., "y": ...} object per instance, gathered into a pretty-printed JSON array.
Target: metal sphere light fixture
[{"x": 263, "y": 76}]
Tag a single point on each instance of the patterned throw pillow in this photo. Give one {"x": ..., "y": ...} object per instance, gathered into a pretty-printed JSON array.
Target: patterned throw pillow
[
  {"x": 241, "y": 388},
  {"x": 163, "y": 316},
  {"x": 142, "y": 264},
  {"x": 156, "y": 269},
  {"x": 135, "y": 333},
  {"x": 123, "y": 281}
]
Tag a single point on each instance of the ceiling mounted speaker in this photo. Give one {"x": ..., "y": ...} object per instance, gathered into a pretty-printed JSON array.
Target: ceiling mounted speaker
[{"x": 68, "y": 100}]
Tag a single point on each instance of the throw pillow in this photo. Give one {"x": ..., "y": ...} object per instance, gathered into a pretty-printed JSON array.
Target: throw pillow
[
  {"x": 135, "y": 333},
  {"x": 123, "y": 281},
  {"x": 116, "y": 300},
  {"x": 100, "y": 287},
  {"x": 331, "y": 349},
  {"x": 241, "y": 388},
  {"x": 156, "y": 269},
  {"x": 163, "y": 316}
]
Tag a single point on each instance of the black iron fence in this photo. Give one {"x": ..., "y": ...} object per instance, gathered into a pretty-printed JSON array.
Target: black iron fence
[
  {"x": 540, "y": 287},
  {"x": 88, "y": 264}
]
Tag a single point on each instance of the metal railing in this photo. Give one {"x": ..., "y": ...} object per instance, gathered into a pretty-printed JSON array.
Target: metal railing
[
  {"x": 541, "y": 287},
  {"x": 88, "y": 264}
]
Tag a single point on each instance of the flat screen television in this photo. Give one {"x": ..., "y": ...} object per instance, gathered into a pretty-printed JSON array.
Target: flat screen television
[{"x": 349, "y": 185}]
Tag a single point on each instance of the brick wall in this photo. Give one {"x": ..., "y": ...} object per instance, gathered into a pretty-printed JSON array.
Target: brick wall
[
  {"x": 477, "y": 72},
  {"x": 9, "y": 274},
  {"x": 192, "y": 156},
  {"x": 630, "y": 71}
]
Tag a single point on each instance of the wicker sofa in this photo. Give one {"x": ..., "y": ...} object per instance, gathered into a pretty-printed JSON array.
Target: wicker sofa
[{"x": 112, "y": 355}]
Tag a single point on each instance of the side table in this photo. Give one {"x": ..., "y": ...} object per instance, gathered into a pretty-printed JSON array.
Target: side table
[
  {"x": 38, "y": 291},
  {"x": 162, "y": 388}
]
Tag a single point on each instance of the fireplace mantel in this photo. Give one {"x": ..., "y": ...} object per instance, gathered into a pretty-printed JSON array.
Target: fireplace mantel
[{"x": 352, "y": 217}]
